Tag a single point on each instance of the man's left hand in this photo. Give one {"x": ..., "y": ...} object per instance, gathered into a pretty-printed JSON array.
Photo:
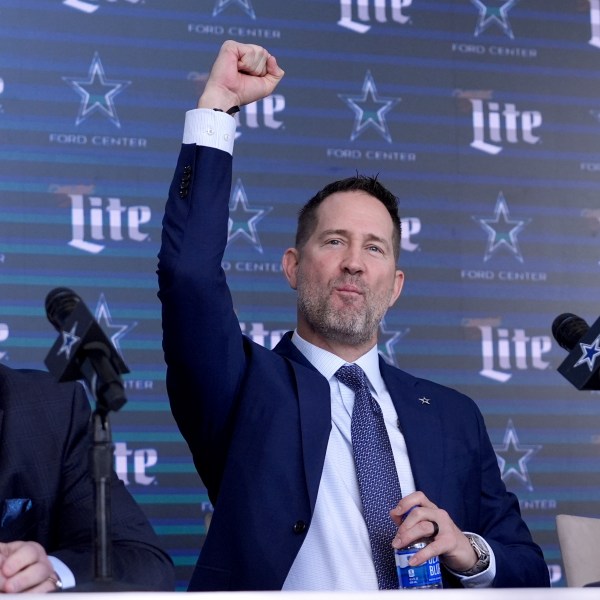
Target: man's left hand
[
  {"x": 25, "y": 567},
  {"x": 416, "y": 517}
]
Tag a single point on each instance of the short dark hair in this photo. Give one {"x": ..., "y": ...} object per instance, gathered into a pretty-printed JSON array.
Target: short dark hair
[{"x": 307, "y": 217}]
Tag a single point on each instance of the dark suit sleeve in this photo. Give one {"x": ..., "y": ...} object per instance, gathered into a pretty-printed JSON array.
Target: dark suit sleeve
[
  {"x": 136, "y": 554},
  {"x": 202, "y": 340}
]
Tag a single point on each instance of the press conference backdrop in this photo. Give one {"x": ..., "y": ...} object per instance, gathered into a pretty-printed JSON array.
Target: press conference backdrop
[{"x": 483, "y": 116}]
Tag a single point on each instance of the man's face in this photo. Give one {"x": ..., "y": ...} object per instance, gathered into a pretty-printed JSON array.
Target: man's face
[{"x": 346, "y": 273}]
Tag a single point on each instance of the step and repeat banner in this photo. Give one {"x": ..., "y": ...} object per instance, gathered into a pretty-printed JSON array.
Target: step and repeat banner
[{"x": 483, "y": 116}]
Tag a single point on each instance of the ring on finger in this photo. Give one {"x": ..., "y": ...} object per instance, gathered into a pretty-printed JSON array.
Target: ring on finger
[
  {"x": 56, "y": 581},
  {"x": 436, "y": 529}
]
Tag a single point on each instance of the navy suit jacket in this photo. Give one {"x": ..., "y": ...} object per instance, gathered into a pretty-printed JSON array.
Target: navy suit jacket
[
  {"x": 46, "y": 490},
  {"x": 257, "y": 421}
]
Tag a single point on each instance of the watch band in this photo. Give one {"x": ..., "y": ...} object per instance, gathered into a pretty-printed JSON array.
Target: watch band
[
  {"x": 483, "y": 556},
  {"x": 231, "y": 111}
]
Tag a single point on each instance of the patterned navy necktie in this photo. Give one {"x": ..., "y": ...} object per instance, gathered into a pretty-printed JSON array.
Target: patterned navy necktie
[{"x": 377, "y": 476}]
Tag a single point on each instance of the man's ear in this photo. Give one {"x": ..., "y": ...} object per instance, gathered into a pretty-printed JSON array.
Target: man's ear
[
  {"x": 398, "y": 283},
  {"x": 289, "y": 263}
]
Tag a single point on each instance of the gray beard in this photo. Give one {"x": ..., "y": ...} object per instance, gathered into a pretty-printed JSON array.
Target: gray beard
[{"x": 352, "y": 327}]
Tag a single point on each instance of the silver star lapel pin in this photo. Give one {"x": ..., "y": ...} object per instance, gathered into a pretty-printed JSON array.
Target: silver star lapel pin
[{"x": 424, "y": 400}]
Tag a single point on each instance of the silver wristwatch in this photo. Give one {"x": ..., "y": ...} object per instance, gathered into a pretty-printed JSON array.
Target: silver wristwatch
[{"x": 483, "y": 556}]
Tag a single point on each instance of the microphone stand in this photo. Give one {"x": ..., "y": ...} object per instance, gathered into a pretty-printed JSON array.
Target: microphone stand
[
  {"x": 101, "y": 467},
  {"x": 107, "y": 387},
  {"x": 82, "y": 351}
]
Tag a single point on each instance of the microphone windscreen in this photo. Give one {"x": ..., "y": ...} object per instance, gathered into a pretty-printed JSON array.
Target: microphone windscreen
[
  {"x": 568, "y": 329},
  {"x": 60, "y": 303}
]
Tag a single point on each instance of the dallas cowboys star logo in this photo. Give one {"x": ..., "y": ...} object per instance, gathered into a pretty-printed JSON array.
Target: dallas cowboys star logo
[
  {"x": 589, "y": 354},
  {"x": 387, "y": 341},
  {"x": 242, "y": 218},
  {"x": 513, "y": 457},
  {"x": 370, "y": 109},
  {"x": 501, "y": 230},
  {"x": 493, "y": 14},
  {"x": 246, "y": 5},
  {"x": 97, "y": 92},
  {"x": 114, "y": 331},
  {"x": 70, "y": 340}
]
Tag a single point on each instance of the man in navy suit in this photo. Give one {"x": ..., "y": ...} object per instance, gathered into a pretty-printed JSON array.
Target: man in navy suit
[
  {"x": 269, "y": 430},
  {"x": 47, "y": 503}
]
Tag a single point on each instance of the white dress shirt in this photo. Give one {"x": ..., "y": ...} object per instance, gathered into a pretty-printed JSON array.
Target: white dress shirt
[{"x": 336, "y": 554}]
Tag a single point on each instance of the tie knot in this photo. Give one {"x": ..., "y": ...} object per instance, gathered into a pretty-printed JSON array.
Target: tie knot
[{"x": 352, "y": 376}]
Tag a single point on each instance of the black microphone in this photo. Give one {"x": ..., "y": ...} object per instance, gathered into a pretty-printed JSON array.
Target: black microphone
[
  {"x": 82, "y": 350},
  {"x": 582, "y": 365},
  {"x": 568, "y": 329}
]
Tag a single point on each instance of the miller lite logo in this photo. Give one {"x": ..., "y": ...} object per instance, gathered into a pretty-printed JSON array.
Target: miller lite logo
[
  {"x": 357, "y": 14},
  {"x": 3, "y": 338},
  {"x": 495, "y": 124},
  {"x": 263, "y": 113},
  {"x": 91, "y": 6},
  {"x": 595, "y": 22},
  {"x": 134, "y": 462},
  {"x": 95, "y": 219},
  {"x": 503, "y": 350}
]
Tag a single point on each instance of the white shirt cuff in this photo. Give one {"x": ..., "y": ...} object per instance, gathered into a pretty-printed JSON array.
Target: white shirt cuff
[
  {"x": 65, "y": 574},
  {"x": 207, "y": 127}
]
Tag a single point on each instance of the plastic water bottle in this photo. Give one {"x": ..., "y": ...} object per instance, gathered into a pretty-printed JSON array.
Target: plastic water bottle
[{"x": 425, "y": 576}]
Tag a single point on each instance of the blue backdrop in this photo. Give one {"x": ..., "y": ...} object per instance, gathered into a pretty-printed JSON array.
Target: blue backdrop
[{"x": 483, "y": 116}]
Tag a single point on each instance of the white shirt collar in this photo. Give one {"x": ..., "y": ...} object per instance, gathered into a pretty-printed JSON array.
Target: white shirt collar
[{"x": 328, "y": 363}]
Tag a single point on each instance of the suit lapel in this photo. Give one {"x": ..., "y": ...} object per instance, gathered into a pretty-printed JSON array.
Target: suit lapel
[
  {"x": 420, "y": 423},
  {"x": 314, "y": 405},
  {"x": 418, "y": 416}
]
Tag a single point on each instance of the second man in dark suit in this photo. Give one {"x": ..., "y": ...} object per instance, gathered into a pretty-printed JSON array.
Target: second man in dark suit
[{"x": 47, "y": 495}]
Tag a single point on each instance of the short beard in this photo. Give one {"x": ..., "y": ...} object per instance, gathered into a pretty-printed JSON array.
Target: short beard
[{"x": 352, "y": 328}]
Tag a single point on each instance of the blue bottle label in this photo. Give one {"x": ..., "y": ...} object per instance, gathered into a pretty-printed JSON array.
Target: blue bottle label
[{"x": 427, "y": 575}]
